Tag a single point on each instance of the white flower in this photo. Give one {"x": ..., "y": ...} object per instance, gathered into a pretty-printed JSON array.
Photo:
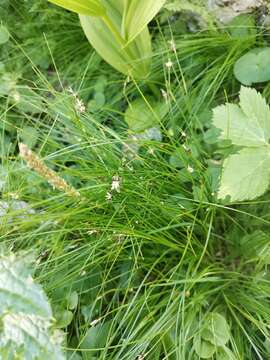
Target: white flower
[
  {"x": 79, "y": 106},
  {"x": 165, "y": 95},
  {"x": 108, "y": 196},
  {"x": 172, "y": 45},
  {"x": 190, "y": 169},
  {"x": 169, "y": 64},
  {"x": 115, "y": 184},
  {"x": 185, "y": 147},
  {"x": 183, "y": 134},
  {"x": 94, "y": 322}
]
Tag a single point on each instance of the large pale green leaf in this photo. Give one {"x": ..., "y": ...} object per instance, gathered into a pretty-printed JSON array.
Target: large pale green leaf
[
  {"x": 25, "y": 314},
  {"x": 138, "y": 14},
  {"x": 141, "y": 115},
  {"x": 18, "y": 292},
  {"x": 237, "y": 127},
  {"x": 246, "y": 175},
  {"x": 253, "y": 67},
  {"x": 133, "y": 59},
  {"x": 84, "y": 7},
  {"x": 244, "y": 128},
  {"x": 256, "y": 109},
  {"x": 30, "y": 336},
  {"x": 203, "y": 348},
  {"x": 216, "y": 330}
]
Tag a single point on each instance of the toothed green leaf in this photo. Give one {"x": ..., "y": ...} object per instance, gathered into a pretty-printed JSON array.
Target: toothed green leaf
[{"x": 245, "y": 175}]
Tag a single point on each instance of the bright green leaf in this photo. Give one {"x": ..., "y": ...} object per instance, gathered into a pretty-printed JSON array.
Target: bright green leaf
[
  {"x": 63, "y": 318},
  {"x": 216, "y": 330},
  {"x": 256, "y": 109},
  {"x": 141, "y": 115},
  {"x": 253, "y": 67},
  {"x": 204, "y": 349},
  {"x": 4, "y": 34},
  {"x": 225, "y": 354},
  {"x": 237, "y": 127},
  {"x": 73, "y": 299},
  {"x": 243, "y": 27},
  {"x": 96, "y": 336},
  {"x": 245, "y": 175},
  {"x": 133, "y": 59},
  {"x": 84, "y": 7},
  {"x": 138, "y": 14}
]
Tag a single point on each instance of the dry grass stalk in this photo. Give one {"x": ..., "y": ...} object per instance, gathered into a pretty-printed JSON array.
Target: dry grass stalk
[{"x": 36, "y": 164}]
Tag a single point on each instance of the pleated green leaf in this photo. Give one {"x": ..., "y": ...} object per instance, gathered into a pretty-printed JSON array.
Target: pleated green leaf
[
  {"x": 104, "y": 34},
  {"x": 138, "y": 14},
  {"x": 84, "y": 7}
]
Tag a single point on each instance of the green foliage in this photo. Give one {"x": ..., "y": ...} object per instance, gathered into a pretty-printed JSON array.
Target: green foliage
[
  {"x": 142, "y": 114},
  {"x": 118, "y": 31},
  {"x": 25, "y": 314},
  {"x": 4, "y": 34},
  {"x": 246, "y": 174},
  {"x": 133, "y": 273},
  {"x": 213, "y": 336},
  {"x": 253, "y": 67},
  {"x": 84, "y": 7}
]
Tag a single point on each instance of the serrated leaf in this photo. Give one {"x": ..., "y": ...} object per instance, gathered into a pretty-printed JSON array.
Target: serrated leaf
[
  {"x": 245, "y": 175},
  {"x": 204, "y": 349},
  {"x": 216, "y": 330},
  {"x": 237, "y": 127},
  {"x": 256, "y": 109},
  {"x": 30, "y": 335},
  {"x": 138, "y": 14},
  {"x": 25, "y": 314},
  {"x": 253, "y": 67},
  {"x": 84, "y": 7},
  {"x": 18, "y": 292}
]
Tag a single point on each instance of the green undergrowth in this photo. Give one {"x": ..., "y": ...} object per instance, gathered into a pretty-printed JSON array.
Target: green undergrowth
[{"x": 135, "y": 272}]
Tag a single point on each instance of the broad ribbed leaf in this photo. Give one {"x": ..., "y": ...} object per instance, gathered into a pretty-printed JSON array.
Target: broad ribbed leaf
[
  {"x": 18, "y": 292},
  {"x": 30, "y": 337},
  {"x": 133, "y": 59},
  {"x": 245, "y": 175},
  {"x": 138, "y": 14},
  {"x": 84, "y": 7}
]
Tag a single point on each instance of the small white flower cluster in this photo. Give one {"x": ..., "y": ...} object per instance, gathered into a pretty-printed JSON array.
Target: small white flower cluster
[
  {"x": 115, "y": 186},
  {"x": 169, "y": 64},
  {"x": 79, "y": 105},
  {"x": 172, "y": 45}
]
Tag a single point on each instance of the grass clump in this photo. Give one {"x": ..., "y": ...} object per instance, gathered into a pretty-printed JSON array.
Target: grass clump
[{"x": 146, "y": 263}]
